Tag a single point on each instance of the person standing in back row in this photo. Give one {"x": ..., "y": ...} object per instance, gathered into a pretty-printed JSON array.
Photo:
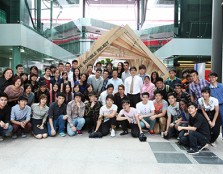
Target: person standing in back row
[{"x": 133, "y": 86}]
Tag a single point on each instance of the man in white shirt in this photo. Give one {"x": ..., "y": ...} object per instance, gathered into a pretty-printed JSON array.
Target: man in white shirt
[
  {"x": 69, "y": 72},
  {"x": 126, "y": 72},
  {"x": 115, "y": 80},
  {"x": 96, "y": 81},
  {"x": 128, "y": 117},
  {"x": 145, "y": 110},
  {"x": 133, "y": 86},
  {"x": 107, "y": 118},
  {"x": 109, "y": 90}
]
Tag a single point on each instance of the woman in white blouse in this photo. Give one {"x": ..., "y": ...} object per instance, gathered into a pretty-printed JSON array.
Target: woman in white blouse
[{"x": 210, "y": 109}]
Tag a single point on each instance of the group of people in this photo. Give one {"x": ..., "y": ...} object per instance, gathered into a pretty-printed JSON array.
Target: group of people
[{"x": 66, "y": 100}]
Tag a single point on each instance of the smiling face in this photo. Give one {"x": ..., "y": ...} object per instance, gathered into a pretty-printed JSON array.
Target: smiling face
[
  {"x": 3, "y": 102},
  {"x": 8, "y": 74},
  {"x": 28, "y": 90},
  {"x": 18, "y": 83}
]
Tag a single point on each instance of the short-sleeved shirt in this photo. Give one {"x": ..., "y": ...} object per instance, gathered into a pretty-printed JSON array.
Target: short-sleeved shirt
[
  {"x": 18, "y": 114},
  {"x": 144, "y": 109},
  {"x": 201, "y": 124},
  {"x": 160, "y": 107},
  {"x": 131, "y": 114},
  {"x": 211, "y": 104},
  {"x": 174, "y": 112},
  {"x": 105, "y": 110},
  {"x": 55, "y": 111}
]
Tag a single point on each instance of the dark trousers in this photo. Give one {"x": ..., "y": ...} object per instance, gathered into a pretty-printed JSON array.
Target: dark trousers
[
  {"x": 105, "y": 126},
  {"x": 194, "y": 139},
  {"x": 172, "y": 133},
  {"x": 90, "y": 123},
  {"x": 134, "y": 99},
  {"x": 134, "y": 128},
  {"x": 18, "y": 129},
  {"x": 215, "y": 131}
]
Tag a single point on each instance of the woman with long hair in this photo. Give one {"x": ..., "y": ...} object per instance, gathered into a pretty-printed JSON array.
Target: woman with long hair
[
  {"x": 154, "y": 76},
  {"x": 33, "y": 82},
  {"x": 64, "y": 80},
  {"x": 82, "y": 82},
  {"x": 89, "y": 89},
  {"x": 6, "y": 79},
  {"x": 14, "y": 91},
  {"x": 76, "y": 74},
  {"x": 120, "y": 69},
  {"x": 28, "y": 93},
  {"x": 67, "y": 90},
  {"x": 55, "y": 79},
  {"x": 54, "y": 92},
  {"x": 39, "y": 117}
]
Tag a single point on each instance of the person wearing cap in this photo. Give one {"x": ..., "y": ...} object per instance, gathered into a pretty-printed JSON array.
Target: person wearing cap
[
  {"x": 217, "y": 92},
  {"x": 172, "y": 79},
  {"x": 75, "y": 113},
  {"x": 148, "y": 86},
  {"x": 42, "y": 90},
  {"x": 103, "y": 95},
  {"x": 20, "y": 117},
  {"x": 5, "y": 110},
  {"x": 129, "y": 117},
  {"x": 92, "y": 109},
  {"x": 57, "y": 116},
  {"x": 96, "y": 81}
]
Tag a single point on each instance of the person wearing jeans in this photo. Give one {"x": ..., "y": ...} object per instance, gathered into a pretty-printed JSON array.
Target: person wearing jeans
[
  {"x": 5, "y": 127},
  {"x": 198, "y": 135},
  {"x": 57, "y": 116},
  {"x": 75, "y": 113}
]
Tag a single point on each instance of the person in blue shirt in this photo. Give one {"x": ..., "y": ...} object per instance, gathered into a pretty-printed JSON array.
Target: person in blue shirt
[{"x": 217, "y": 92}]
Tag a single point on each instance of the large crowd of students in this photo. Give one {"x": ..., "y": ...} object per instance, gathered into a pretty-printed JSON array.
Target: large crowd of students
[{"x": 65, "y": 101}]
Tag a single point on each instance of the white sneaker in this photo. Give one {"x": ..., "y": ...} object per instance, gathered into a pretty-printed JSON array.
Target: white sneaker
[
  {"x": 112, "y": 133},
  {"x": 213, "y": 145}
]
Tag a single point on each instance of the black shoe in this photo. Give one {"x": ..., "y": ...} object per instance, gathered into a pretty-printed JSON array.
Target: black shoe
[
  {"x": 200, "y": 148},
  {"x": 124, "y": 133},
  {"x": 192, "y": 151}
]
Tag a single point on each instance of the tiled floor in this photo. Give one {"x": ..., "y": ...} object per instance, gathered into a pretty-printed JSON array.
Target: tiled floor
[{"x": 118, "y": 155}]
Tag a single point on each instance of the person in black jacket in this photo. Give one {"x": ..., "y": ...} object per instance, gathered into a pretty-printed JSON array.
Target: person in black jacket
[{"x": 5, "y": 110}]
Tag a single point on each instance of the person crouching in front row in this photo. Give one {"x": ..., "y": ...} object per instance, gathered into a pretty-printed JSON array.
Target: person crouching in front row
[{"x": 75, "y": 113}]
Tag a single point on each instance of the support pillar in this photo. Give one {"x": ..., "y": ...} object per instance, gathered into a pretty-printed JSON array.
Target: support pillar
[
  {"x": 16, "y": 57},
  {"x": 216, "y": 57}
]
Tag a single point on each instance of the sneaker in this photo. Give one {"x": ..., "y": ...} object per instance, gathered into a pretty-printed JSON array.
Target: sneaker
[
  {"x": 192, "y": 151},
  {"x": 23, "y": 135},
  {"x": 1, "y": 138},
  {"x": 14, "y": 136},
  {"x": 62, "y": 134},
  {"x": 152, "y": 132},
  {"x": 124, "y": 133},
  {"x": 202, "y": 147},
  {"x": 213, "y": 145},
  {"x": 112, "y": 133},
  {"x": 79, "y": 132}
]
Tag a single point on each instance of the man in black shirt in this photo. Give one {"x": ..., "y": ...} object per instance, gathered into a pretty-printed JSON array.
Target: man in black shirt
[
  {"x": 198, "y": 134},
  {"x": 178, "y": 90},
  {"x": 57, "y": 116},
  {"x": 119, "y": 97},
  {"x": 165, "y": 89},
  {"x": 5, "y": 110}
]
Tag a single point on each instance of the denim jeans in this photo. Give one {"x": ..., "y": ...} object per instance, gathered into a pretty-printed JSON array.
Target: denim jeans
[
  {"x": 78, "y": 123},
  {"x": 6, "y": 132},
  {"x": 151, "y": 123},
  {"x": 57, "y": 123}
]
